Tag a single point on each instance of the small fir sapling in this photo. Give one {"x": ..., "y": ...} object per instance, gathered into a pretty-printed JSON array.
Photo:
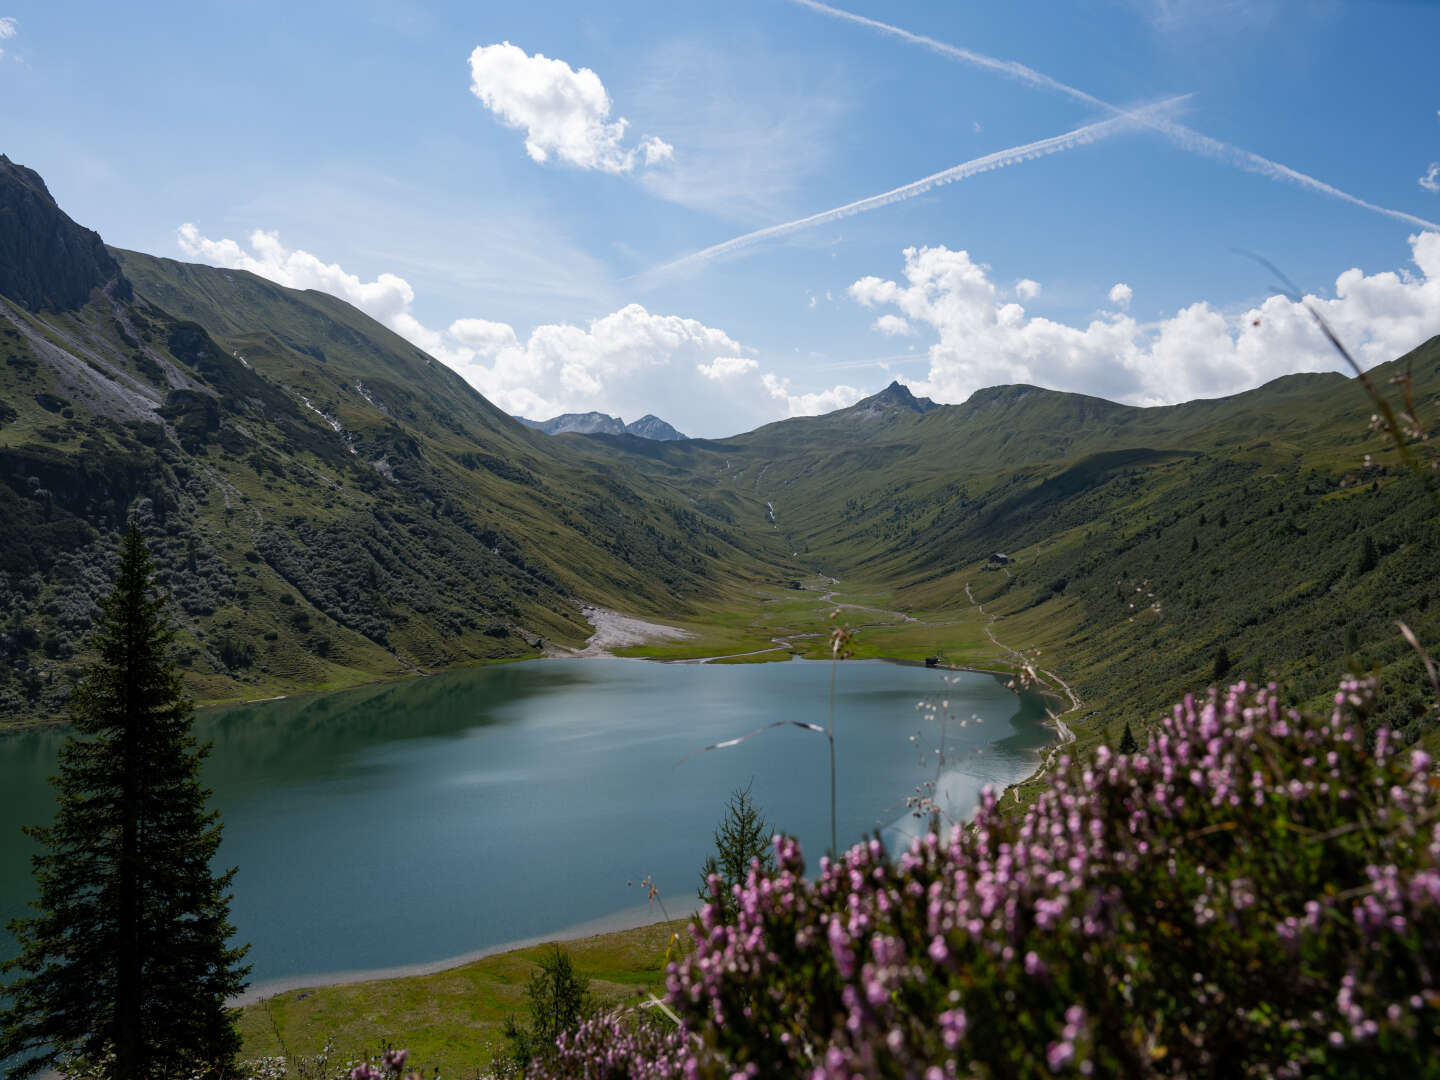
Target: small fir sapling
[{"x": 742, "y": 838}]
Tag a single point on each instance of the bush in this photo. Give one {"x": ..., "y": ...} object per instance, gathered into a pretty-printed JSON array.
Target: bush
[
  {"x": 1255, "y": 892},
  {"x": 558, "y": 1001}
]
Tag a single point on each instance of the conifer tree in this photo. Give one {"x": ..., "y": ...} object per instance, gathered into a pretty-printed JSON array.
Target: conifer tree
[
  {"x": 125, "y": 964},
  {"x": 1128, "y": 745},
  {"x": 743, "y": 836}
]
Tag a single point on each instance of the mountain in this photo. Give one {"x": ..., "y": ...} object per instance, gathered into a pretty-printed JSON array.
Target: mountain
[
  {"x": 47, "y": 262},
  {"x": 326, "y": 503},
  {"x": 648, "y": 426},
  {"x": 651, "y": 426},
  {"x": 330, "y": 505},
  {"x": 590, "y": 423},
  {"x": 1147, "y": 543}
]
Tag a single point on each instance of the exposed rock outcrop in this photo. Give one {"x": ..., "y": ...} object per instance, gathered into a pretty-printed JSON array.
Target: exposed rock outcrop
[{"x": 47, "y": 262}]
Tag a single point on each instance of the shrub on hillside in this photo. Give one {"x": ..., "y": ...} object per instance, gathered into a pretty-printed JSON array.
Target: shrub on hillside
[{"x": 1254, "y": 891}]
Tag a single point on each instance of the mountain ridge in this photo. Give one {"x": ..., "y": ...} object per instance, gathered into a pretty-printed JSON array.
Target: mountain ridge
[
  {"x": 648, "y": 426},
  {"x": 328, "y": 504}
]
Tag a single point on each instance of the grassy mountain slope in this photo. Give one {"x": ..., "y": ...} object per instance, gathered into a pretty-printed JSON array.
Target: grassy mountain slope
[
  {"x": 1144, "y": 541},
  {"x": 328, "y": 504}
]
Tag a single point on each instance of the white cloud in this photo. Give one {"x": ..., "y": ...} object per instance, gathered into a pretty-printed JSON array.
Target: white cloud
[
  {"x": 726, "y": 367},
  {"x": 562, "y": 111},
  {"x": 1198, "y": 352},
  {"x": 823, "y": 401},
  {"x": 1121, "y": 295},
  {"x": 9, "y": 27},
  {"x": 1431, "y": 180},
  {"x": 387, "y": 298},
  {"x": 976, "y": 125},
  {"x": 482, "y": 335},
  {"x": 893, "y": 325},
  {"x": 605, "y": 365},
  {"x": 1027, "y": 289}
]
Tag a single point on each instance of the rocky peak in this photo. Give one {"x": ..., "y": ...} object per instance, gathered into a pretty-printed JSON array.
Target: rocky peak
[
  {"x": 894, "y": 398},
  {"x": 651, "y": 426},
  {"x": 47, "y": 262}
]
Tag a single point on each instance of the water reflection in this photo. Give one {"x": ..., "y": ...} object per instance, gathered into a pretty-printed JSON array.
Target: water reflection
[{"x": 424, "y": 819}]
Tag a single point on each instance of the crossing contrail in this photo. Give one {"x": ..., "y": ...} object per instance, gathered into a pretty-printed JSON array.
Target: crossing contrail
[
  {"x": 1080, "y": 136},
  {"x": 1184, "y": 137}
]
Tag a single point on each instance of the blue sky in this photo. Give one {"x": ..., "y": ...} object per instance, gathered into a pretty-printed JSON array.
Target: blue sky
[{"x": 486, "y": 201}]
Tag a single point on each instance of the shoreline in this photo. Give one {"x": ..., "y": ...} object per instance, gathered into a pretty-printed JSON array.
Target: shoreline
[{"x": 625, "y": 919}]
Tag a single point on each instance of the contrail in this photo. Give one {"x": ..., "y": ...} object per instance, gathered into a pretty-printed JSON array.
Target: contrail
[
  {"x": 1000, "y": 159},
  {"x": 1184, "y": 137}
]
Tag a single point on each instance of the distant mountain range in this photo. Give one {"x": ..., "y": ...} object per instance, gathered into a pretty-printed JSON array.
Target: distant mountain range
[
  {"x": 327, "y": 504},
  {"x": 648, "y": 426}
]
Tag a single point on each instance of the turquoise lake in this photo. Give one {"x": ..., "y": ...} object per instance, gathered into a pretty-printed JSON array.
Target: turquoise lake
[{"x": 416, "y": 821}]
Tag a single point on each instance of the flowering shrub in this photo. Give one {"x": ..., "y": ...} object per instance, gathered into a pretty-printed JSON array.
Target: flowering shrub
[{"x": 1254, "y": 891}]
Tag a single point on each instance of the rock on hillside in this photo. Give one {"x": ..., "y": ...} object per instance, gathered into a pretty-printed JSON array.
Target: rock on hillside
[{"x": 47, "y": 262}]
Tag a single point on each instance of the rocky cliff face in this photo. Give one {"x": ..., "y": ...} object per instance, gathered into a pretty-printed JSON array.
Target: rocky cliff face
[
  {"x": 651, "y": 426},
  {"x": 47, "y": 262}
]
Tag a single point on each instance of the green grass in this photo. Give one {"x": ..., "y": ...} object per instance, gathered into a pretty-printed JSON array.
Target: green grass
[{"x": 452, "y": 1019}]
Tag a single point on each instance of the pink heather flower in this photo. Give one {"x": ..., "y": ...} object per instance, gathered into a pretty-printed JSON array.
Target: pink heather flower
[
  {"x": 395, "y": 1059},
  {"x": 1059, "y": 1054},
  {"x": 952, "y": 1027}
]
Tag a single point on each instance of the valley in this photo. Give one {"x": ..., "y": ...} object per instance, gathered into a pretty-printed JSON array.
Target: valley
[{"x": 330, "y": 506}]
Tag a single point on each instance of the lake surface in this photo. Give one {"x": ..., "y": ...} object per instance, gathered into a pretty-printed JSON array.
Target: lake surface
[{"x": 422, "y": 820}]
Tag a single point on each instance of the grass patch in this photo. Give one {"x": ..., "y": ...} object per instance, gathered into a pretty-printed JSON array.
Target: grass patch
[{"x": 452, "y": 1020}]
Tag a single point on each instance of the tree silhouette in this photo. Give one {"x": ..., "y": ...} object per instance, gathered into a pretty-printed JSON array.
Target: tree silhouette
[{"x": 125, "y": 964}]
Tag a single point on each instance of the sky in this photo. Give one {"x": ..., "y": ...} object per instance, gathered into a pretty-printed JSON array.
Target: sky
[{"x": 727, "y": 214}]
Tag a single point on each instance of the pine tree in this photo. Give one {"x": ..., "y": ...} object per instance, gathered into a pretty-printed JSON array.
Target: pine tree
[
  {"x": 559, "y": 1000},
  {"x": 1368, "y": 558},
  {"x": 125, "y": 964},
  {"x": 1128, "y": 745},
  {"x": 743, "y": 836}
]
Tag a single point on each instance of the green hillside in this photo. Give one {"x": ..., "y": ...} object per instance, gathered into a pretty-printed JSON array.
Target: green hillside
[
  {"x": 1139, "y": 542},
  {"x": 330, "y": 505}
]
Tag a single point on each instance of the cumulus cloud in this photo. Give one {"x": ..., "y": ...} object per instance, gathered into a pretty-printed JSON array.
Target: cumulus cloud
[
  {"x": 9, "y": 27},
  {"x": 387, "y": 298},
  {"x": 482, "y": 335},
  {"x": 1026, "y": 289},
  {"x": 557, "y": 368},
  {"x": 982, "y": 340},
  {"x": 726, "y": 367},
  {"x": 822, "y": 401},
  {"x": 1121, "y": 295},
  {"x": 563, "y": 112},
  {"x": 1431, "y": 180},
  {"x": 893, "y": 325}
]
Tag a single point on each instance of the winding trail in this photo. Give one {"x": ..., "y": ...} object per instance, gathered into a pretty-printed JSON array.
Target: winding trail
[{"x": 1057, "y": 720}]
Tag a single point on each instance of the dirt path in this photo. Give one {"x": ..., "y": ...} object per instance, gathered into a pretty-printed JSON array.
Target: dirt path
[{"x": 1057, "y": 720}]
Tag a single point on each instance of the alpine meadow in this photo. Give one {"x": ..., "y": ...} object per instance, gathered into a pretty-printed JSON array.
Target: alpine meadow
[{"x": 784, "y": 541}]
